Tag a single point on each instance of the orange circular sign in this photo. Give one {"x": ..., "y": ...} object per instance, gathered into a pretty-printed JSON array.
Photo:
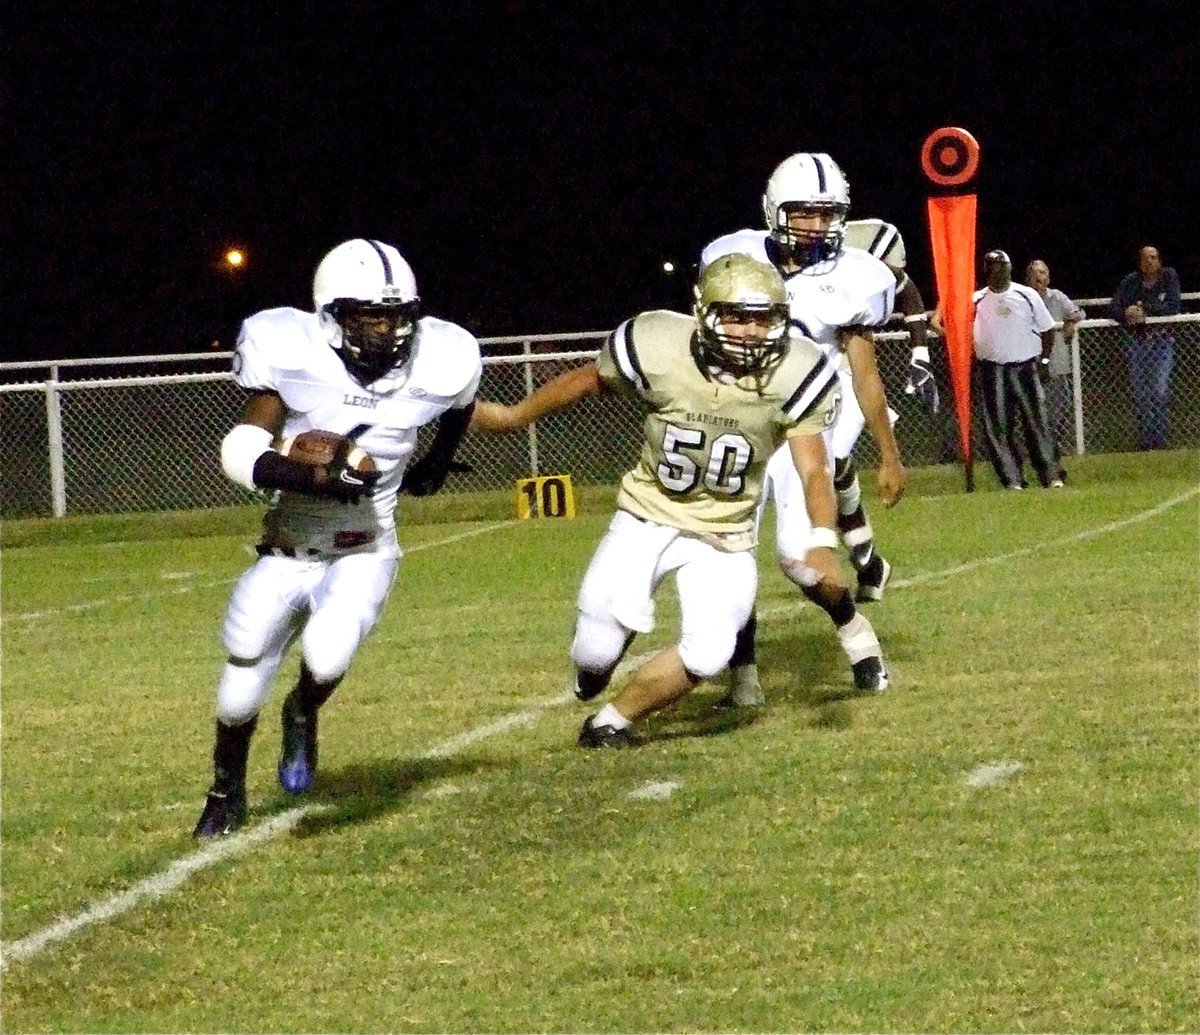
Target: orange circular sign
[{"x": 950, "y": 156}]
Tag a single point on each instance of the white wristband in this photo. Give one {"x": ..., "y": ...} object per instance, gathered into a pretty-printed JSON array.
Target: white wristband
[
  {"x": 240, "y": 449},
  {"x": 822, "y": 537},
  {"x": 920, "y": 354}
]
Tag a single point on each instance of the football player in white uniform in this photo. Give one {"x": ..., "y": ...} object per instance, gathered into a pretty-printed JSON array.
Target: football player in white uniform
[
  {"x": 883, "y": 241},
  {"x": 837, "y": 296},
  {"x": 368, "y": 366},
  {"x": 723, "y": 388}
]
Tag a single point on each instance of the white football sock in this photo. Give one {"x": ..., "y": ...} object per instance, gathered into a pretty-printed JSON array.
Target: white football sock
[{"x": 609, "y": 716}]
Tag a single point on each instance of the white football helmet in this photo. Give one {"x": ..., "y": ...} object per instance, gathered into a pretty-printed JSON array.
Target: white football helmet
[
  {"x": 813, "y": 182},
  {"x": 366, "y": 296},
  {"x": 742, "y": 312}
]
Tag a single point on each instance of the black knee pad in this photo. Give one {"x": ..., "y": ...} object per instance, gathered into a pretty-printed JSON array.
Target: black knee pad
[{"x": 835, "y": 602}]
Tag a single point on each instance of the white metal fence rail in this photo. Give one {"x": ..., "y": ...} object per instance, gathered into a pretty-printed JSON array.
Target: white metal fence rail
[{"x": 143, "y": 433}]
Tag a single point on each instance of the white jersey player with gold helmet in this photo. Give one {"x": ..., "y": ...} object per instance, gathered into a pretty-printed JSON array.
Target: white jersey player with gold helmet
[
  {"x": 722, "y": 389},
  {"x": 838, "y": 296},
  {"x": 366, "y": 365}
]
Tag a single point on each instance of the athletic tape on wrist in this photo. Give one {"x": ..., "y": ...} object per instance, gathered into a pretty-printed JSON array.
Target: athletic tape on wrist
[{"x": 240, "y": 450}]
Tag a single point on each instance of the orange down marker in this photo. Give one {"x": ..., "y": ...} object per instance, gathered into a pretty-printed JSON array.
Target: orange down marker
[{"x": 950, "y": 158}]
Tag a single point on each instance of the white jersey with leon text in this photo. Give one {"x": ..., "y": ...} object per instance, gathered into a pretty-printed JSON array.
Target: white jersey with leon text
[{"x": 286, "y": 351}]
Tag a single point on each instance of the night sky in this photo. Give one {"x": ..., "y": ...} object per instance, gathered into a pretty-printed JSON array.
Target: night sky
[{"x": 537, "y": 163}]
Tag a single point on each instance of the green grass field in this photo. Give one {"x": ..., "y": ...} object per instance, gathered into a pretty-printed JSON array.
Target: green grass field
[{"x": 1006, "y": 840}]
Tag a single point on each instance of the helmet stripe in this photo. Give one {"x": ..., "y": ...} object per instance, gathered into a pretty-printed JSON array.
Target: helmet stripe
[
  {"x": 387, "y": 266},
  {"x": 821, "y": 183}
]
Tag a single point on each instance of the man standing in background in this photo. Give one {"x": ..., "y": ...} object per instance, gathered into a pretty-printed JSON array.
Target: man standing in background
[
  {"x": 1013, "y": 332},
  {"x": 1059, "y": 388},
  {"x": 1151, "y": 290}
]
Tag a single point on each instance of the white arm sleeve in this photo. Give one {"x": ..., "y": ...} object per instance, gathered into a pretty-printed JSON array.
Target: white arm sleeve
[{"x": 240, "y": 450}]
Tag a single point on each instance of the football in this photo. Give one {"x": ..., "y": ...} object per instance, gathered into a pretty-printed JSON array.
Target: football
[{"x": 316, "y": 448}]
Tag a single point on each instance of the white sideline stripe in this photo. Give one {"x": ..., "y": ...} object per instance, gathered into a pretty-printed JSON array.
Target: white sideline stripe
[
  {"x": 91, "y": 605},
  {"x": 508, "y": 722},
  {"x": 986, "y": 775},
  {"x": 915, "y": 580},
  {"x": 1050, "y": 544},
  {"x": 161, "y": 884},
  {"x": 157, "y": 886}
]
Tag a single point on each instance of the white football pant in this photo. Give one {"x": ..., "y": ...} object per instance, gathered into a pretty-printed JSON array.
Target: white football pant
[
  {"x": 330, "y": 603},
  {"x": 716, "y": 595}
]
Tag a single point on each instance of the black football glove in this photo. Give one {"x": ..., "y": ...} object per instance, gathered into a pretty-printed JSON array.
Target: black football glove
[
  {"x": 342, "y": 482},
  {"x": 427, "y": 475},
  {"x": 923, "y": 385}
]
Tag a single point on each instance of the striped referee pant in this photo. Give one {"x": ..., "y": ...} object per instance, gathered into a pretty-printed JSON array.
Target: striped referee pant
[{"x": 1012, "y": 392}]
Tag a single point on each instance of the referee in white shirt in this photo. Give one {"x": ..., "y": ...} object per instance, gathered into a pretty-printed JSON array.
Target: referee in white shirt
[{"x": 1013, "y": 332}]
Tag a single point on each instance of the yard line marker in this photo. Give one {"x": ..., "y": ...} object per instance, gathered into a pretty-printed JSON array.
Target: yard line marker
[
  {"x": 502, "y": 725},
  {"x": 655, "y": 790},
  {"x": 178, "y": 872},
  {"x": 986, "y": 775},
  {"x": 163, "y": 883}
]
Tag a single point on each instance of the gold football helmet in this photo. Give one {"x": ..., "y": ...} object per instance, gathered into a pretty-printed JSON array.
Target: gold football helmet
[{"x": 742, "y": 316}]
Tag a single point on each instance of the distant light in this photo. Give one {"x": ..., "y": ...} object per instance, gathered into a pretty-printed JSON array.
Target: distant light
[
  {"x": 668, "y": 267},
  {"x": 234, "y": 258}
]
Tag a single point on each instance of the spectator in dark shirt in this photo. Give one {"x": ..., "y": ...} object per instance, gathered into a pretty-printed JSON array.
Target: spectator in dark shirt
[{"x": 1151, "y": 290}]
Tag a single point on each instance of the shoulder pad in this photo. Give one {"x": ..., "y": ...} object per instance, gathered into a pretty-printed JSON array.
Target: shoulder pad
[
  {"x": 881, "y": 239},
  {"x": 869, "y": 273},
  {"x": 446, "y": 357},
  {"x": 805, "y": 378},
  {"x": 644, "y": 348},
  {"x": 271, "y": 341}
]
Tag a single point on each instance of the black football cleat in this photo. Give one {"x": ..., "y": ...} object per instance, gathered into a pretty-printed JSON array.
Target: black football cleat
[
  {"x": 870, "y": 677},
  {"x": 593, "y": 736},
  {"x": 298, "y": 757},
  {"x": 872, "y": 580},
  {"x": 224, "y": 812}
]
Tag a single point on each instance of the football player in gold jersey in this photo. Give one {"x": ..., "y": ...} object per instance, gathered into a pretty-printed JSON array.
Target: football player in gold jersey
[{"x": 722, "y": 389}]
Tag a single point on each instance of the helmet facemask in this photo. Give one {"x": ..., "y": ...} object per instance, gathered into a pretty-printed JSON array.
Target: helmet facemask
[
  {"x": 742, "y": 317},
  {"x": 375, "y": 336},
  {"x": 744, "y": 339},
  {"x": 809, "y": 247}
]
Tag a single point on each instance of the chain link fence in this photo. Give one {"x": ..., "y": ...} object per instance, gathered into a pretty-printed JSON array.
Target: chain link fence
[{"x": 143, "y": 434}]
